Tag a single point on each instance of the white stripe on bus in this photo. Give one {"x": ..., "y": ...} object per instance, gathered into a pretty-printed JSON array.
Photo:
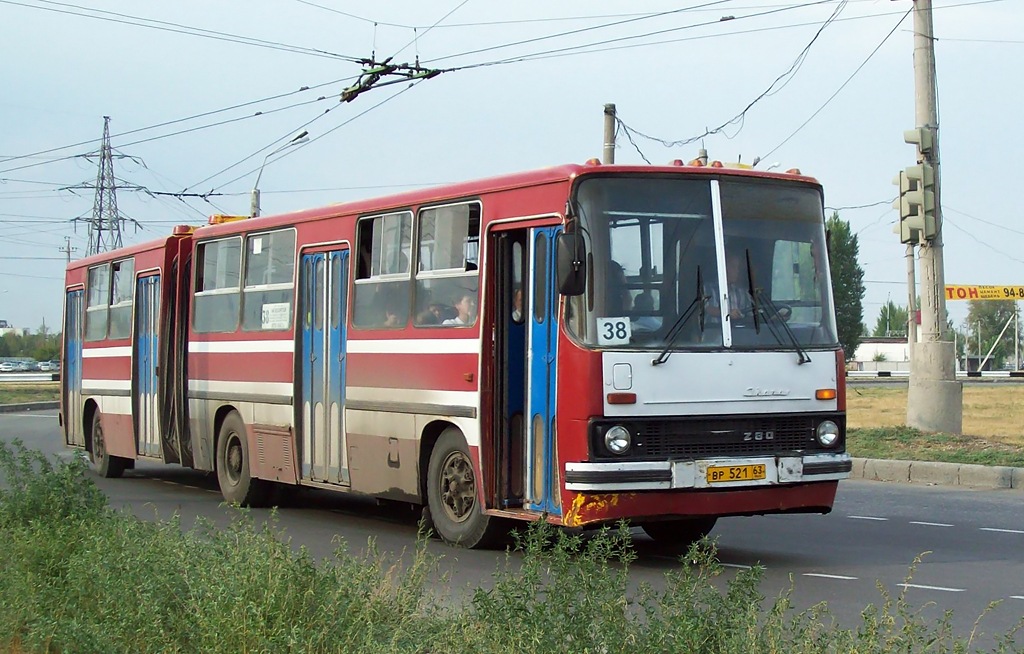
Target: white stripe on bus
[
  {"x": 105, "y": 352},
  {"x": 414, "y": 346},
  {"x": 233, "y": 347}
]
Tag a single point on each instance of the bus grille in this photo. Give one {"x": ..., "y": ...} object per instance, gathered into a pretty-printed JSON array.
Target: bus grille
[{"x": 719, "y": 437}]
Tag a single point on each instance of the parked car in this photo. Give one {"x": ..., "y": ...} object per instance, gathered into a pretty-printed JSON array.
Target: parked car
[
  {"x": 7, "y": 366},
  {"x": 22, "y": 366},
  {"x": 44, "y": 366}
]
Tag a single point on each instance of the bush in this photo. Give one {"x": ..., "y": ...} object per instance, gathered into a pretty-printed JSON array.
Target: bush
[{"x": 80, "y": 577}]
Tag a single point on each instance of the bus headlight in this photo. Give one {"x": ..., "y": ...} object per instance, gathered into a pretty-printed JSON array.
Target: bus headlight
[
  {"x": 828, "y": 433},
  {"x": 618, "y": 440}
]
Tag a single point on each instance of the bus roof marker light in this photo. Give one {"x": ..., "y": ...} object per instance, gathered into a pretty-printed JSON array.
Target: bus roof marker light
[{"x": 593, "y": 161}]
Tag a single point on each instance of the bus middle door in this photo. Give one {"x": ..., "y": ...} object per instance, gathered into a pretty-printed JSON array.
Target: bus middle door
[{"x": 324, "y": 291}]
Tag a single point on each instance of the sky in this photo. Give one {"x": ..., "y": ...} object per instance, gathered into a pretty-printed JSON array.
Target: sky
[{"x": 201, "y": 94}]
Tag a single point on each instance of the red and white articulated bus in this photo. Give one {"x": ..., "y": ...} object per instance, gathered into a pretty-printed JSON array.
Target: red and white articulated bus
[{"x": 582, "y": 343}]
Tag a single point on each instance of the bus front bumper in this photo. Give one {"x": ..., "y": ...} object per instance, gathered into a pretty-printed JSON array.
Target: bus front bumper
[{"x": 626, "y": 476}]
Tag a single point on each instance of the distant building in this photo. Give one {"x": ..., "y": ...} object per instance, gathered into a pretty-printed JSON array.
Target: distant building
[
  {"x": 890, "y": 354},
  {"x": 8, "y": 328}
]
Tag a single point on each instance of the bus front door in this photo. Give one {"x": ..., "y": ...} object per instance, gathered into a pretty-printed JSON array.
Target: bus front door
[
  {"x": 71, "y": 373},
  {"x": 145, "y": 395},
  {"x": 324, "y": 288},
  {"x": 542, "y": 478}
]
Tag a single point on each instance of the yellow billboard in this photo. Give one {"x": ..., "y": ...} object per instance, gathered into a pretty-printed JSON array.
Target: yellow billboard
[{"x": 985, "y": 292}]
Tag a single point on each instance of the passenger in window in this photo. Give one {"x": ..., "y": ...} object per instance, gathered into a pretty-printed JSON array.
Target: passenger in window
[
  {"x": 619, "y": 299},
  {"x": 643, "y": 305},
  {"x": 466, "y": 310},
  {"x": 392, "y": 318},
  {"x": 517, "y": 305}
]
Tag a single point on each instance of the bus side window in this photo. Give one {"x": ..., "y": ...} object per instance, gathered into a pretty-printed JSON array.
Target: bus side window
[
  {"x": 381, "y": 294},
  {"x": 269, "y": 275},
  {"x": 218, "y": 285},
  {"x": 447, "y": 276},
  {"x": 97, "y": 305}
]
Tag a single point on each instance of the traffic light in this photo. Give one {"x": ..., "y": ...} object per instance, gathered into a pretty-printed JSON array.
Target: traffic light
[{"x": 916, "y": 203}]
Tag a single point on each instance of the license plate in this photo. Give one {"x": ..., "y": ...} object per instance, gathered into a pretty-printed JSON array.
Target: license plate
[{"x": 726, "y": 474}]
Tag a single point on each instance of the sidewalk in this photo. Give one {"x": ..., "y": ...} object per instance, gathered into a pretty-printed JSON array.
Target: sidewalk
[{"x": 925, "y": 473}]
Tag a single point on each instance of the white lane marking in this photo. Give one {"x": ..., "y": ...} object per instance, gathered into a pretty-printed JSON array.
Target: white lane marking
[
  {"x": 948, "y": 590},
  {"x": 825, "y": 576},
  {"x": 32, "y": 415},
  {"x": 931, "y": 524},
  {"x": 736, "y": 565},
  {"x": 1002, "y": 531},
  {"x": 866, "y": 517},
  {"x": 1020, "y": 597}
]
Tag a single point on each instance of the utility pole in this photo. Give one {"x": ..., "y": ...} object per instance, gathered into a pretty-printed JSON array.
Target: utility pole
[
  {"x": 68, "y": 249},
  {"x": 935, "y": 398},
  {"x": 608, "y": 155},
  {"x": 912, "y": 299},
  {"x": 105, "y": 224}
]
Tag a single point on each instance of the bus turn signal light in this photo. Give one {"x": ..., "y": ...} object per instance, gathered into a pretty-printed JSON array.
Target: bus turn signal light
[
  {"x": 825, "y": 394},
  {"x": 621, "y": 398}
]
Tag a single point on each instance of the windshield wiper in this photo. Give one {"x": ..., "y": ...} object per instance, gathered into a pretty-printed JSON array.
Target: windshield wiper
[
  {"x": 775, "y": 314},
  {"x": 699, "y": 302},
  {"x": 752, "y": 290}
]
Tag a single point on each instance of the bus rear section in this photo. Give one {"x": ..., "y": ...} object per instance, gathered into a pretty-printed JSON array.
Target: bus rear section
[{"x": 119, "y": 378}]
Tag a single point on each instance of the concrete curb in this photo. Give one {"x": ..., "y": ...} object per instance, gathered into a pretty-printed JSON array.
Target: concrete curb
[
  {"x": 931, "y": 473},
  {"x": 28, "y": 406}
]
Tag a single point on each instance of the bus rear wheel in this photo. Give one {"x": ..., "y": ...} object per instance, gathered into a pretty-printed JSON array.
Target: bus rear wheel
[
  {"x": 679, "y": 534},
  {"x": 233, "y": 470},
  {"x": 453, "y": 498},
  {"x": 103, "y": 462}
]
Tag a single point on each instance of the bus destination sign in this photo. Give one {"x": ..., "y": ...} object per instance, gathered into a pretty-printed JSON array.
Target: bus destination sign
[{"x": 985, "y": 292}]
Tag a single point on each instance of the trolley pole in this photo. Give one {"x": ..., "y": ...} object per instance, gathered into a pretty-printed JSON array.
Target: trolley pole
[
  {"x": 935, "y": 398},
  {"x": 608, "y": 155}
]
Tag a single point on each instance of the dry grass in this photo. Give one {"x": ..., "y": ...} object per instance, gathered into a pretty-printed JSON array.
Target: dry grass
[
  {"x": 992, "y": 411},
  {"x": 17, "y": 392}
]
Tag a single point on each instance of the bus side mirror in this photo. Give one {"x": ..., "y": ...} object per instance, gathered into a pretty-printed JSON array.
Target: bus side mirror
[{"x": 571, "y": 264}]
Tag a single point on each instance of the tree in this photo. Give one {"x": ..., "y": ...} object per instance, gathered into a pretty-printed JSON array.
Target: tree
[
  {"x": 893, "y": 320},
  {"x": 847, "y": 283},
  {"x": 988, "y": 317}
]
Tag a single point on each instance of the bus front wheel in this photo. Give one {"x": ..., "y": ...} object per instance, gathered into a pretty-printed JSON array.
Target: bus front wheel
[
  {"x": 103, "y": 462},
  {"x": 453, "y": 498},
  {"x": 679, "y": 534},
  {"x": 233, "y": 474}
]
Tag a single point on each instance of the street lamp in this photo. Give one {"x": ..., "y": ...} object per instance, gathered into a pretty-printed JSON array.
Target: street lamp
[{"x": 254, "y": 201}]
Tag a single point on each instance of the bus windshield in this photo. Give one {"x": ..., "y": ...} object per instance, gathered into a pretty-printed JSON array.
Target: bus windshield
[{"x": 701, "y": 263}]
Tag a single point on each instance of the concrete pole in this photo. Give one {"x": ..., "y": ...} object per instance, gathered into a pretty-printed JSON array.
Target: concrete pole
[
  {"x": 912, "y": 298},
  {"x": 1016, "y": 337},
  {"x": 608, "y": 156},
  {"x": 934, "y": 398}
]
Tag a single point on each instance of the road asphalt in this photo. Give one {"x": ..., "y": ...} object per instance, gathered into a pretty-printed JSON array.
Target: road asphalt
[{"x": 922, "y": 473}]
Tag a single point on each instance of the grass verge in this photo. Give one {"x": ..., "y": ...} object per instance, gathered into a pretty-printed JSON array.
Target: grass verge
[
  {"x": 18, "y": 392},
  {"x": 993, "y": 426},
  {"x": 79, "y": 577}
]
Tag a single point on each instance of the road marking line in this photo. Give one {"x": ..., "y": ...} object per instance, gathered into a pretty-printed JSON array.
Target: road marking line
[
  {"x": 32, "y": 415},
  {"x": 948, "y": 590},
  {"x": 735, "y": 565},
  {"x": 930, "y": 524},
  {"x": 1020, "y": 597},
  {"x": 825, "y": 576},
  {"x": 866, "y": 517},
  {"x": 1002, "y": 531}
]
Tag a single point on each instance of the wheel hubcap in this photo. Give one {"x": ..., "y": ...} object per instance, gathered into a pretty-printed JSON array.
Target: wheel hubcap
[
  {"x": 233, "y": 460},
  {"x": 457, "y": 486}
]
